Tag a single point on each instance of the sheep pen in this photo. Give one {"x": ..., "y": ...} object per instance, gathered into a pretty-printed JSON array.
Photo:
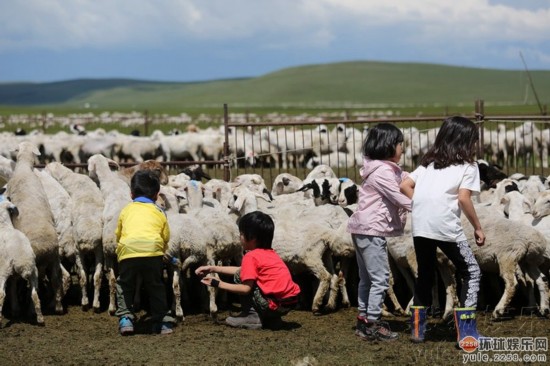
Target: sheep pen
[{"x": 84, "y": 337}]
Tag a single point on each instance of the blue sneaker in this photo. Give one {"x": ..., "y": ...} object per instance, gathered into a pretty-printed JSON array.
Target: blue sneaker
[{"x": 125, "y": 326}]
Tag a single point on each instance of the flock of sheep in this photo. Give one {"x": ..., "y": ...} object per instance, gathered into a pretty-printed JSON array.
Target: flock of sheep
[
  {"x": 337, "y": 145},
  {"x": 66, "y": 220}
]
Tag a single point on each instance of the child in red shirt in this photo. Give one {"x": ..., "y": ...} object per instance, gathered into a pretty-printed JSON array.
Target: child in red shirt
[{"x": 263, "y": 278}]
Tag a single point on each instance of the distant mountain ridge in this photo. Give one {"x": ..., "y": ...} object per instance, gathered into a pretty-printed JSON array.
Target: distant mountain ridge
[{"x": 344, "y": 83}]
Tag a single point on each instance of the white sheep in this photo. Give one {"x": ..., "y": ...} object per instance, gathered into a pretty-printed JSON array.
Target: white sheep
[
  {"x": 35, "y": 219},
  {"x": 188, "y": 238},
  {"x": 285, "y": 183},
  {"x": 60, "y": 204},
  {"x": 6, "y": 168},
  {"x": 510, "y": 247},
  {"x": 223, "y": 241},
  {"x": 87, "y": 223},
  {"x": 306, "y": 240},
  {"x": 116, "y": 195},
  {"x": 16, "y": 258}
]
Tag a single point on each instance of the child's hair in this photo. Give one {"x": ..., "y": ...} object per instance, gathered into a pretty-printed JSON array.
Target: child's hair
[
  {"x": 454, "y": 144},
  {"x": 145, "y": 183},
  {"x": 381, "y": 141},
  {"x": 258, "y": 225}
]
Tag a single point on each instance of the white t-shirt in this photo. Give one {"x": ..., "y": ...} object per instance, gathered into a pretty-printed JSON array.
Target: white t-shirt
[{"x": 435, "y": 209}]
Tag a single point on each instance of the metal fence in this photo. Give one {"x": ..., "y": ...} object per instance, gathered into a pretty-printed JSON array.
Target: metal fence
[{"x": 515, "y": 143}]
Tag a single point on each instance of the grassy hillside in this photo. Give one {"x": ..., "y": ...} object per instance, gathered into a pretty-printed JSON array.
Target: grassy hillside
[{"x": 338, "y": 85}]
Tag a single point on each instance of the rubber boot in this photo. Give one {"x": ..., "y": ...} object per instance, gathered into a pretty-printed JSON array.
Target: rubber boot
[
  {"x": 466, "y": 324},
  {"x": 418, "y": 323}
]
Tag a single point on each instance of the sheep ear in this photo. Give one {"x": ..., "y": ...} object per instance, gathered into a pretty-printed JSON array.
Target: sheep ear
[
  {"x": 526, "y": 206},
  {"x": 35, "y": 151},
  {"x": 239, "y": 202},
  {"x": 113, "y": 163},
  {"x": 258, "y": 195}
]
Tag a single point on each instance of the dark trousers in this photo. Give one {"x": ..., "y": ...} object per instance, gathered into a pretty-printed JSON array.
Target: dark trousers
[
  {"x": 460, "y": 254},
  {"x": 261, "y": 303},
  {"x": 150, "y": 270}
]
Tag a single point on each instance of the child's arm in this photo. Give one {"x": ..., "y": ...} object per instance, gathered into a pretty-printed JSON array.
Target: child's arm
[
  {"x": 237, "y": 288},
  {"x": 226, "y": 270},
  {"x": 407, "y": 187},
  {"x": 465, "y": 203}
]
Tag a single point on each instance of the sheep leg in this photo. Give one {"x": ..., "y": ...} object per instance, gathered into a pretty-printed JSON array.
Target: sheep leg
[
  {"x": 333, "y": 292},
  {"x": 97, "y": 277},
  {"x": 33, "y": 282},
  {"x": 333, "y": 289},
  {"x": 57, "y": 280},
  {"x": 507, "y": 273},
  {"x": 324, "y": 277},
  {"x": 176, "y": 288},
  {"x": 109, "y": 267},
  {"x": 451, "y": 298},
  {"x": 2, "y": 296},
  {"x": 536, "y": 275},
  {"x": 342, "y": 275},
  {"x": 65, "y": 279},
  {"x": 393, "y": 298},
  {"x": 212, "y": 290},
  {"x": 391, "y": 293},
  {"x": 14, "y": 301},
  {"x": 82, "y": 281},
  {"x": 112, "y": 291},
  {"x": 526, "y": 284}
]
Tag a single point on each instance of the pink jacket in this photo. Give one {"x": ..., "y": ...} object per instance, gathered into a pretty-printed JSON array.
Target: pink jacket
[{"x": 380, "y": 200}]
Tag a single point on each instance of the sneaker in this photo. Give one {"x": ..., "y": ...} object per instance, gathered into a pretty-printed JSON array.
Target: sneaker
[
  {"x": 363, "y": 329},
  {"x": 381, "y": 331},
  {"x": 125, "y": 326},
  {"x": 163, "y": 328},
  {"x": 249, "y": 321}
]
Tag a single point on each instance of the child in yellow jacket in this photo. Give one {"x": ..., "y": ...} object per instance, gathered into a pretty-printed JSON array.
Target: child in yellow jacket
[{"x": 142, "y": 236}]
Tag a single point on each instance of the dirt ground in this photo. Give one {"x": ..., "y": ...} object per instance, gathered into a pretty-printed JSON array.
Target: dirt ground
[{"x": 86, "y": 338}]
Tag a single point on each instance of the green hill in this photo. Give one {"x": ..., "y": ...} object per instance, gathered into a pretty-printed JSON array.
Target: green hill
[{"x": 337, "y": 85}]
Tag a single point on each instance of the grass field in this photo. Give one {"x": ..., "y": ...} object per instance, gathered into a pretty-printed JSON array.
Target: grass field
[{"x": 407, "y": 88}]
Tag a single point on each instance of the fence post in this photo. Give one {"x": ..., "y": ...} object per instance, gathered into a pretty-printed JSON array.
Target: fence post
[
  {"x": 480, "y": 115},
  {"x": 226, "y": 169}
]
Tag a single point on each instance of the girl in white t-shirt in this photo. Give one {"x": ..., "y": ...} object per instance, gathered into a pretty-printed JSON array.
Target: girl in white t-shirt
[{"x": 441, "y": 189}]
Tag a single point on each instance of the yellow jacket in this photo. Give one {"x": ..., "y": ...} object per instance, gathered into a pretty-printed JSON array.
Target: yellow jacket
[{"x": 142, "y": 231}]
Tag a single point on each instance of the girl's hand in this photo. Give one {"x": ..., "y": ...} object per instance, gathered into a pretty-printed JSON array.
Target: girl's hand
[
  {"x": 203, "y": 271},
  {"x": 480, "y": 237}
]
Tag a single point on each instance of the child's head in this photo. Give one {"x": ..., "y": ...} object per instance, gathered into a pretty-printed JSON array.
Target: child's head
[
  {"x": 454, "y": 144},
  {"x": 257, "y": 226},
  {"x": 381, "y": 142},
  {"x": 145, "y": 184}
]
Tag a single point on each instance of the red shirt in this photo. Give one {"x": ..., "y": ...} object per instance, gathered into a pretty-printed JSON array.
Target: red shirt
[{"x": 270, "y": 273}]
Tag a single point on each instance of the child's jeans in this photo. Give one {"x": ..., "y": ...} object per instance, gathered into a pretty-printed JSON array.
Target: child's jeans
[{"x": 374, "y": 274}]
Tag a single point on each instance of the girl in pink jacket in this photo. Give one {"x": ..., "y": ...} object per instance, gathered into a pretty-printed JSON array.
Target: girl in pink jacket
[{"x": 379, "y": 214}]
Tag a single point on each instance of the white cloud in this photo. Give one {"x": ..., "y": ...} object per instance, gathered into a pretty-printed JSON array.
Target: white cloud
[
  {"x": 69, "y": 24},
  {"x": 438, "y": 27}
]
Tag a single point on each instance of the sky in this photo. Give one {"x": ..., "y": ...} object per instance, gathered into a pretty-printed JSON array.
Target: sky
[{"x": 199, "y": 40}]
